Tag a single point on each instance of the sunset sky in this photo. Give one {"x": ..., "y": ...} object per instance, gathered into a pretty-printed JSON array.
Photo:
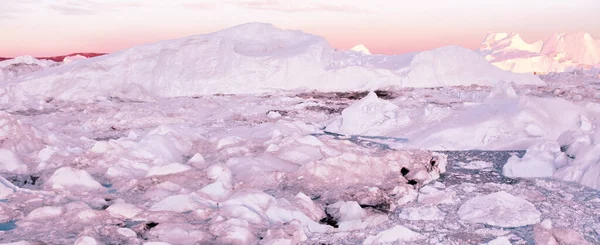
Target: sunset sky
[{"x": 56, "y": 27}]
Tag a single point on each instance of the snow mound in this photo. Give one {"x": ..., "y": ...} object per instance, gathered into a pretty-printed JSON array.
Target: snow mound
[
  {"x": 499, "y": 209},
  {"x": 361, "y": 49},
  {"x": 251, "y": 58}
]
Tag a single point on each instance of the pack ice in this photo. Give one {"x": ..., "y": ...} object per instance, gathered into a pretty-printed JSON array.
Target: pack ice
[{"x": 257, "y": 135}]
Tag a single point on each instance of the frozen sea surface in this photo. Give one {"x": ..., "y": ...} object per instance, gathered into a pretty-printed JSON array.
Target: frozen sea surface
[
  {"x": 568, "y": 205},
  {"x": 162, "y": 171}
]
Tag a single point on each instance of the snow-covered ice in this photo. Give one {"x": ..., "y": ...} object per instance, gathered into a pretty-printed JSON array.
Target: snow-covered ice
[
  {"x": 73, "y": 58},
  {"x": 395, "y": 234},
  {"x": 257, "y": 135},
  {"x": 562, "y": 52},
  {"x": 361, "y": 49},
  {"x": 499, "y": 209},
  {"x": 252, "y": 58},
  {"x": 73, "y": 180}
]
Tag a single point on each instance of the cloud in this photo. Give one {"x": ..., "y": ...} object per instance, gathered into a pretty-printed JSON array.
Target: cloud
[
  {"x": 91, "y": 7},
  {"x": 12, "y": 9},
  {"x": 288, "y": 6},
  {"x": 73, "y": 10},
  {"x": 197, "y": 5}
]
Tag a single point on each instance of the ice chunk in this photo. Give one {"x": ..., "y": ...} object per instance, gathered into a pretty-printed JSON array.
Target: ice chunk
[
  {"x": 17, "y": 243},
  {"x": 126, "y": 232},
  {"x": 73, "y": 180},
  {"x": 499, "y": 209},
  {"x": 422, "y": 213},
  {"x": 5, "y": 191},
  {"x": 46, "y": 212},
  {"x": 11, "y": 163},
  {"x": 216, "y": 191},
  {"x": 538, "y": 161},
  {"x": 544, "y": 233},
  {"x": 177, "y": 203},
  {"x": 233, "y": 231},
  {"x": 586, "y": 125},
  {"x": 122, "y": 209},
  {"x": 500, "y": 241},
  {"x": 86, "y": 240},
  {"x": 476, "y": 165},
  {"x": 177, "y": 233},
  {"x": 500, "y": 124},
  {"x": 369, "y": 116},
  {"x": 259, "y": 204},
  {"x": 346, "y": 211},
  {"x": 584, "y": 168},
  {"x": 171, "y": 168},
  {"x": 309, "y": 207},
  {"x": 273, "y": 114},
  {"x": 569, "y": 236},
  {"x": 350, "y": 216},
  {"x": 219, "y": 172},
  {"x": 436, "y": 197},
  {"x": 310, "y": 140},
  {"x": 502, "y": 90},
  {"x": 197, "y": 161},
  {"x": 395, "y": 234},
  {"x": 228, "y": 141}
]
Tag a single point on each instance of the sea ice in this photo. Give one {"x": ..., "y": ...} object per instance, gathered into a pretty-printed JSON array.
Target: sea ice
[
  {"x": 422, "y": 213},
  {"x": 72, "y": 179},
  {"x": 499, "y": 209},
  {"x": 394, "y": 234}
]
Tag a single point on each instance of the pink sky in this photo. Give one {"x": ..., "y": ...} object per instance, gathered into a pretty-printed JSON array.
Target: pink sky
[{"x": 56, "y": 27}]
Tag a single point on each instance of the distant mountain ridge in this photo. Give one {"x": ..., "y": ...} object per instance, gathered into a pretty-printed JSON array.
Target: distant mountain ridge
[{"x": 60, "y": 58}]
